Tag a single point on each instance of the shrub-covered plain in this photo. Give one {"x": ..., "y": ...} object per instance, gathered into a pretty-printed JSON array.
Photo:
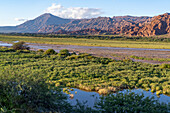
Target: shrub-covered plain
[
  {"x": 86, "y": 72},
  {"x": 155, "y": 59},
  {"x": 30, "y": 80}
]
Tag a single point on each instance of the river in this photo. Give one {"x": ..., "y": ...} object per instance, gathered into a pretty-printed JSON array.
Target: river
[{"x": 92, "y": 97}]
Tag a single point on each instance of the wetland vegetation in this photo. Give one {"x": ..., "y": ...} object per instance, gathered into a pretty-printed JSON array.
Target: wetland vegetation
[
  {"x": 155, "y": 59},
  {"x": 26, "y": 75}
]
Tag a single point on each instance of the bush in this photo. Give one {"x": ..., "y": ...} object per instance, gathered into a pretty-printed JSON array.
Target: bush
[
  {"x": 130, "y": 103},
  {"x": 103, "y": 91},
  {"x": 20, "y": 46},
  {"x": 64, "y": 53},
  {"x": 30, "y": 94},
  {"x": 50, "y": 52},
  {"x": 165, "y": 66},
  {"x": 40, "y": 50}
]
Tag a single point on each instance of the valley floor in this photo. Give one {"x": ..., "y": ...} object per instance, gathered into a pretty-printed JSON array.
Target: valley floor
[
  {"x": 149, "y": 56},
  {"x": 134, "y": 50}
]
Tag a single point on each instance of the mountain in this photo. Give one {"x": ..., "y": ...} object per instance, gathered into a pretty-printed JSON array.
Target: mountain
[
  {"x": 102, "y": 23},
  {"x": 40, "y": 22},
  {"x": 83, "y": 32},
  {"x": 158, "y": 26},
  {"x": 33, "y": 26},
  {"x": 124, "y": 25}
]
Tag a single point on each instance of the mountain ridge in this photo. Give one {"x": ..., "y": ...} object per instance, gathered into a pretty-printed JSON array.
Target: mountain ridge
[{"x": 124, "y": 25}]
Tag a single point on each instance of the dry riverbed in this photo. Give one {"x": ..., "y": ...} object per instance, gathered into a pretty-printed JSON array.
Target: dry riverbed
[{"x": 111, "y": 52}]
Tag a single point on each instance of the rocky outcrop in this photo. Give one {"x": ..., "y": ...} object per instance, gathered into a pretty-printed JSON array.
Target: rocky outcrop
[{"x": 159, "y": 26}]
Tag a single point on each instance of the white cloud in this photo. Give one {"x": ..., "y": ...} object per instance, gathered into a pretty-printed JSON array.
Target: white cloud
[
  {"x": 20, "y": 19},
  {"x": 73, "y": 12}
]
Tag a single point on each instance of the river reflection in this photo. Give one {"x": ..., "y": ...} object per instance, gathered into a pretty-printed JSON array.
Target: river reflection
[{"x": 92, "y": 97}]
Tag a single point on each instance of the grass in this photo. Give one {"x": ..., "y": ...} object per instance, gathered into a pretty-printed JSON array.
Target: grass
[
  {"x": 87, "y": 42},
  {"x": 155, "y": 59},
  {"x": 85, "y": 72}
]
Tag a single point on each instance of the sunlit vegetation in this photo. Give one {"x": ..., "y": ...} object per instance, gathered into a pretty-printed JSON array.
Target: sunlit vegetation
[
  {"x": 87, "y": 72},
  {"x": 30, "y": 80},
  {"x": 165, "y": 66},
  {"x": 49, "y": 52},
  {"x": 161, "y": 38},
  {"x": 68, "y": 40},
  {"x": 155, "y": 59}
]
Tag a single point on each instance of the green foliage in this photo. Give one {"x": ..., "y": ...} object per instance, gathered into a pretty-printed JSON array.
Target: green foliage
[
  {"x": 20, "y": 46},
  {"x": 50, "y": 52},
  {"x": 87, "y": 72},
  {"x": 64, "y": 53},
  {"x": 165, "y": 66},
  {"x": 30, "y": 80},
  {"x": 130, "y": 103},
  {"x": 155, "y": 59},
  {"x": 40, "y": 50}
]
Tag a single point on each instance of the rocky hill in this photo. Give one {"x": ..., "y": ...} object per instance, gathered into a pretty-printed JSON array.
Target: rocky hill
[
  {"x": 158, "y": 26},
  {"x": 124, "y": 25},
  {"x": 103, "y": 23},
  {"x": 33, "y": 26},
  {"x": 40, "y": 22}
]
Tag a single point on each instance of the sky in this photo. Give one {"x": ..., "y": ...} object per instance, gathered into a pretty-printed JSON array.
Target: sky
[{"x": 15, "y": 12}]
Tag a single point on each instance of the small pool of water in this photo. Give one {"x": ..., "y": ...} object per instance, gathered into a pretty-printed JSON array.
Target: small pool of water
[
  {"x": 92, "y": 97},
  {"x": 5, "y": 44}
]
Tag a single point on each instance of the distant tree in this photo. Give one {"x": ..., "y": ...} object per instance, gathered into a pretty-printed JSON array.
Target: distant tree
[{"x": 20, "y": 46}]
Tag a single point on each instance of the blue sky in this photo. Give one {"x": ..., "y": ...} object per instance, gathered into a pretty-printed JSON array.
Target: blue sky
[{"x": 14, "y": 12}]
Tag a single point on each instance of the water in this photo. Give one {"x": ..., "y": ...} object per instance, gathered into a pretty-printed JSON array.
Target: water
[
  {"x": 92, "y": 97},
  {"x": 50, "y": 46},
  {"x": 5, "y": 44}
]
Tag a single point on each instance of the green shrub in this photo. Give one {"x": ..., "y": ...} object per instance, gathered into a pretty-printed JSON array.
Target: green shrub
[
  {"x": 40, "y": 50},
  {"x": 130, "y": 103},
  {"x": 20, "y": 46},
  {"x": 50, "y": 52},
  {"x": 64, "y": 53},
  {"x": 159, "y": 92},
  {"x": 165, "y": 66},
  {"x": 30, "y": 94},
  {"x": 104, "y": 91}
]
